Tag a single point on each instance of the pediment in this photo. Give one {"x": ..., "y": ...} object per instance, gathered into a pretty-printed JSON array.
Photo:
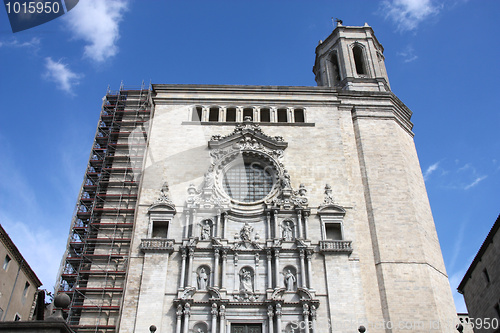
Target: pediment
[
  {"x": 247, "y": 246},
  {"x": 162, "y": 207},
  {"x": 331, "y": 209},
  {"x": 247, "y": 136}
]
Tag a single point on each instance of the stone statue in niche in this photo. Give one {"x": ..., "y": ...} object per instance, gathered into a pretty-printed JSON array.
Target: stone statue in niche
[
  {"x": 202, "y": 279},
  {"x": 246, "y": 232},
  {"x": 205, "y": 230},
  {"x": 246, "y": 284},
  {"x": 287, "y": 231},
  {"x": 289, "y": 280}
]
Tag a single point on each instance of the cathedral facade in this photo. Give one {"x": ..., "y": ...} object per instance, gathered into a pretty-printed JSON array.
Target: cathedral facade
[{"x": 262, "y": 209}]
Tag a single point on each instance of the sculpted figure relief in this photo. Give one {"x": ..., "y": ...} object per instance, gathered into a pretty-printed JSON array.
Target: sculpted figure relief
[
  {"x": 246, "y": 284},
  {"x": 245, "y": 232},
  {"x": 205, "y": 230},
  {"x": 202, "y": 279},
  {"x": 287, "y": 231},
  {"x": 289, "y": 280}
]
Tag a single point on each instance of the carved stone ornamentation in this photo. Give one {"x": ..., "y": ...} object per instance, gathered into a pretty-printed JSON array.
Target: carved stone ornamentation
[
  {"x": 328, "y": 196},
  {"x": 246, "y": 232},
  {"x": 164, "y": 195}
]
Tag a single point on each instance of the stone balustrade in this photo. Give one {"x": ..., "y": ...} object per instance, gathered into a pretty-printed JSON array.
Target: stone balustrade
[
  {"x": 157, "y": 245},
  {"x": 341, "y": 246}
]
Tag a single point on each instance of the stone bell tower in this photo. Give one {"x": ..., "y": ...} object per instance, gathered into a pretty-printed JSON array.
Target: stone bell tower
[{"x": 351, "y": 58}]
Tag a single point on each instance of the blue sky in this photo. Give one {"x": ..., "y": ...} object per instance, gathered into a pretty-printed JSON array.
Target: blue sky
[{"x": 441, "y": 56}]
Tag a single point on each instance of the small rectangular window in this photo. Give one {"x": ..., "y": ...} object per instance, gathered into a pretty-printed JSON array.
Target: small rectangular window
[
  {"x": 282, "y": 116},
  {"x": 160, "y": 229},
  {"x": 265, "y": 115},
  {"x": 298, "y": 114},
  {"x": 6, "y": 262},
  {"x": 26, "y": 289},
  {"x": 231, "y": 114},
  {"x": 333, "y": 231}
]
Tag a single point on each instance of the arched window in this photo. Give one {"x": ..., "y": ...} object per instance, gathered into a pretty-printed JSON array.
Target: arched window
[
  {"x": 298, "y": 115},
  {"x": 197, "y": 112},
  {"x": 231, "y": 114},
  {"x": 214, "y": 114},
  {"x": 358, "y": 60},
  {"x": 248, "y": 112},
  {"x": 265, "y": 115},
  {"x": 335, "y": 68},
  {"x": 282, "y": 115}
]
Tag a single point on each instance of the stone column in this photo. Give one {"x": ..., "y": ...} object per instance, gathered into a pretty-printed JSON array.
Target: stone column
[
  {"x": 306, "y": 224},
  {"x": 214, "y": 317},
  {"x": 216, "y": 228},
  {"x": 187, "y": 314},
  {"x": 269, "y": 270},
  {"x": 277, "y": 268},
  {"x": 222, "y": 318},
  {"x": 268, "y": 225},
  {"x": 270, "y": 315},
  {"x": 195, "y": 225},
  {"x": 256, "y": 278},
  {"x": 183, "y": 268},
  {"x": 215, "y": 280},
  {"x": 313, "y": 317},
  {"x": 186, "y": 228},
  {"x": 224, "y": 271},
  {"x": 276, "y": 226},
  {"x": 278, "y": 317},
  {"x": 178, "y": 327},
  {"x": 309, "y": 268},
  {"x": 299, "y": 223},
  {"x": 190, "y": 268},
  {"x": 204, "y": 114},
  {"x": 224, "y": 216},
  {"x": 302, "y": 270},
  {"x": 236, "y": 287},
  {"x": 305, "y": 312}
]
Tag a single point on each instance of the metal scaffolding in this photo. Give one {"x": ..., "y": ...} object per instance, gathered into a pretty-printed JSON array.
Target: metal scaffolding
[{"x": 94, "y": 267}]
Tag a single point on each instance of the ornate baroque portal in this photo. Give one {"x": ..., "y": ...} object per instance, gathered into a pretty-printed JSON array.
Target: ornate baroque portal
[{"x": 246, "y": 258}]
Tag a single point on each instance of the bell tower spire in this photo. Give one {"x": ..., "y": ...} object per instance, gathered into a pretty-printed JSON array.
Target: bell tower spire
[{"x": 351, "y": 58}]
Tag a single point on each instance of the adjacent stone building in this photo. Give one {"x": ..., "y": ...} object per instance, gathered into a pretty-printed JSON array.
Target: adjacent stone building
[
  {"x": 18, "y": 282},
  {"x": 210, "y": 208},
  {"x": 481, "y": 284}
]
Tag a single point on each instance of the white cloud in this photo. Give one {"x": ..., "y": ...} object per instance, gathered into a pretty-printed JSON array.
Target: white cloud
[
  {"x": 96, "y": 22},
  {"x": 408, "y": 54},
  {"x": 430, "y": 170},
  {"x": 408, "y": 14},
  {"x": 61, "y": 75},
  {"x": 32, "y": 43},
  {"x": 475, "y": 182}
]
